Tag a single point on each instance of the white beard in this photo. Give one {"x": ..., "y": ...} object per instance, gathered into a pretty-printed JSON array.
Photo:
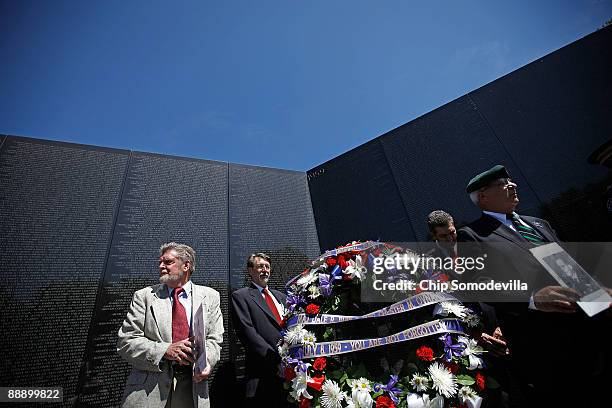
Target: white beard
[{"x": 171, "y": 278}]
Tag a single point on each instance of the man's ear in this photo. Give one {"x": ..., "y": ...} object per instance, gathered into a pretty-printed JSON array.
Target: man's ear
[{"x": 481, "y": 195}]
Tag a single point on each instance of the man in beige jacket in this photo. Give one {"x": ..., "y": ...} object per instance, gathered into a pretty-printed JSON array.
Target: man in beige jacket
[{"x": 155, "y": 336}]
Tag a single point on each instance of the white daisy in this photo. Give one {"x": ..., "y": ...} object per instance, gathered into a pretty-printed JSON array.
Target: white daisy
[
  {"x": 309, "y": 338},
  {"x": 308, "y": 278},
  {"x": 332, "y": 397},
  {"x": 314, "y": 292},
  {"x": 356, "y": 269},
  {"x": 295, "y": 335},
  {"x": 467, "y": 393},
  {"x": 472, "y": 351},
  {"x": 361, "y": 393},
  {"x": 419, "y": 382},
  {"x": 442, "y": 379},
  {"x": 299, "y": 385},
  {"x": 444, "y": 308}
]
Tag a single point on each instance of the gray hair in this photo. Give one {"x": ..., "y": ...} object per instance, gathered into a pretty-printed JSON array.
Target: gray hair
[
  {"x": 474, "y": 196},
  {"x": 439, "y": 218},
  {"x": 183, "y": 252}
]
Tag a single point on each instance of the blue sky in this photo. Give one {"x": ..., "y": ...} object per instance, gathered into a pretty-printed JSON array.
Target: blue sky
[{"x": 286, "y": 84}]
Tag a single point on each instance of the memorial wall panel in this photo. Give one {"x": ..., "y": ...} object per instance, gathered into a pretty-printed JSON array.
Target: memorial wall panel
[
  {"x": 541, "y": 121},
  {"x": 550, "y": 116},
  {"x": 57, "y": 203},
  {"x": 355, "y": 197},
  {"x": 164, "y": 199},
  {"x": 269, "y": 211},
  {"x": 433, "y": 158}
]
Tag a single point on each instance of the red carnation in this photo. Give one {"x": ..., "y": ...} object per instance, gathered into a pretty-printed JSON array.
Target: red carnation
[
  {"x": 443, "y": 278},
  {"x": 289, "y": 373},
  {"x": 342, "y": 262},
  {"x": 480, "y": 381},
  {"x": 425, "y": 353},
  {"x": 384, "y": 402},
  {"x": 304, "y": 402},
  {"x": 319, "y": 363},
  {"x": 330, "y": 261},
  {"x": 316, "y": 382},
  {"x": 452, "y": 367},
  {"x": 312, "y": 309}
]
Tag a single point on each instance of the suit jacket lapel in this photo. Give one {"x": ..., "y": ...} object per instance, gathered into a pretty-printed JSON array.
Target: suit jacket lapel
[
  {"x": 505, "y": 232},
  {"x": 541, "y": 228},
  {"x": 198, "y": 297},
  {"x": 162, "y": 311},
  {"x": 259, "y": 301}
]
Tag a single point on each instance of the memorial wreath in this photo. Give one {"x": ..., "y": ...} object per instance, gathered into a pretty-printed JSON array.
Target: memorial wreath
[{"x": 340, "y": 352}]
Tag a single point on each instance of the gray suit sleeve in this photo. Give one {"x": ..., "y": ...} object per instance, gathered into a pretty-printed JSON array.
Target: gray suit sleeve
[
  {"x": 138, "y": 350},
  {"x": 214, "y": 328}
]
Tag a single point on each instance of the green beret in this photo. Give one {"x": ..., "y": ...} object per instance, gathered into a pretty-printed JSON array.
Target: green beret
[{"x": 483, "y": 179}]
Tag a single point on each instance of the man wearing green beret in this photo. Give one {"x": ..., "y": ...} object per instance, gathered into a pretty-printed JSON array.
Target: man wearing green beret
[{"x": 546, "y": 331}]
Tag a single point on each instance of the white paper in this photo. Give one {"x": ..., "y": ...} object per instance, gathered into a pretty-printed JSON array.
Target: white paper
[
  {"x": 568, "y": 273},
  {"x": 199, "y": 341}
]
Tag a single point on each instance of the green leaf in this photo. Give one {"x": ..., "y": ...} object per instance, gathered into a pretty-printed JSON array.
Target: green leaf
[
  {"x": 335, "y": 375},
  {"x": 377, "y": 394},
  {"x": 358, "y": 371},
  {"x": 329, "y": 332},
  {"x": 343, "y": 379},
  {"x": 464, "y": 379}
]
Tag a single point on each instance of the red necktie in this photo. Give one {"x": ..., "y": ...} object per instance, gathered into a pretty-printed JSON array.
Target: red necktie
[
  {"x": 180, "y": 328},
  {"x": 271, "y": 305}
]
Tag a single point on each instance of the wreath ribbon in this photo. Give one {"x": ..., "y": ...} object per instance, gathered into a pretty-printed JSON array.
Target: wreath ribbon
[
  {"x": 414, "y": 302},
  {"x": 332, "y": 348}
]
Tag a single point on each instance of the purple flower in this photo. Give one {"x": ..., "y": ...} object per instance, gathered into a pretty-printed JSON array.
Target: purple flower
[
  {"x": 451, "y": 349},
  {"x": 390, "y": 388},
  {"x": 293, "y": 301},
  {"x": 326, "y": 285}
]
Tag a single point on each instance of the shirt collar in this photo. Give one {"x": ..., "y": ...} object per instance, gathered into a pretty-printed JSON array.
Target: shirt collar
[
  {"x": 499, "y": 216},
  {"x": 186, "y": 286},
  {"x": 259, "y": 288}
]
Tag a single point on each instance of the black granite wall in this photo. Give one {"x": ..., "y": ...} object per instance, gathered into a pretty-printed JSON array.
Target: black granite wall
[
  {"x": 81, "y": 227},
  {"x": 541, "y": 121}
]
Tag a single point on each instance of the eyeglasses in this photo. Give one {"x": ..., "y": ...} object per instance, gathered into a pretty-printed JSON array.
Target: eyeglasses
[{"x": 504, "y": 182}]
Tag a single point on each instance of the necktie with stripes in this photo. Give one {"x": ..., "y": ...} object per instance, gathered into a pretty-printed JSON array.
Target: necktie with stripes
[{"x": 525, "y": 230}]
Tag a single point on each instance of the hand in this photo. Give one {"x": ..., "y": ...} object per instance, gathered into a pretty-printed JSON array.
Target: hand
[
  {"x": 180, "y": 352},
  {"x": 556, "y": 299},
  {"x": 496, "y": 344},
  {"x": 203, "y": 375}
]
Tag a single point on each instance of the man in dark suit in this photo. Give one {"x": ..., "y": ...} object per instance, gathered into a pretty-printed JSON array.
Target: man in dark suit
[
  {"x": 546, "y": 332},
  {"x": 257, "y": 313}
]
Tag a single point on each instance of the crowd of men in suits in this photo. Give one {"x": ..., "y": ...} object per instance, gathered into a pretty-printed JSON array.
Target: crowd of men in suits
[{"x": 550, "y": 353}]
